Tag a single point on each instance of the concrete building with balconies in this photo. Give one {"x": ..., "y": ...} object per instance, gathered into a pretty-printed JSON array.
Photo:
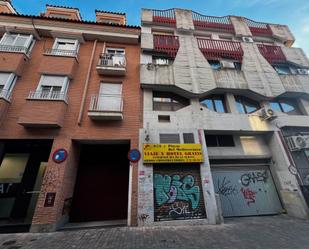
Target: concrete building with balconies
[
  {"x": 70, "y": 112},
  {"x": 239, "y": 89}
]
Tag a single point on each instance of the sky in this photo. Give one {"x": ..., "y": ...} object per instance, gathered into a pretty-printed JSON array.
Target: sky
[{"x": 294, "y": 13}]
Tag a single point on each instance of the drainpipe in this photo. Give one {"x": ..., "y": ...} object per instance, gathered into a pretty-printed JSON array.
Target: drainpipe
[{"x": 82, "y": 106}]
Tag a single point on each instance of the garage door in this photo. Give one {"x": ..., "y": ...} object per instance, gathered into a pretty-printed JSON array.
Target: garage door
[
  {"x": 178, "y": 192},
  {"x": 245, "y": 192}
]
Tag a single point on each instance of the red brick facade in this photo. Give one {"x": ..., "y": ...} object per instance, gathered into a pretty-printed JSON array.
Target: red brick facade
[{"x": 23, "y": 113}]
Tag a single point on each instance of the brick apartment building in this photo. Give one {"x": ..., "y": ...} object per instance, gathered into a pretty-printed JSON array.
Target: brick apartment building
[
  {"x": 237, "y": 88},
  {"x": 70, "y": 112}
]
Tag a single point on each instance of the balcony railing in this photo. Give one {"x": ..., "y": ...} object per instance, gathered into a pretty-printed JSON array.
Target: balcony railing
[
  {"x": 15, "y": 49},
  {"x": 273, "y": 54},
  {"x": 167, "y": 44},
  {"x": 48, "y": 95},
  {"x": 166, "y": 17},
  {"x": 106, "y": 103},
  {"x": 61, "y": 52},
  {"x": 5, "y": 94},
  {"x": 212, "y": 22},
  {"x": 258, "y": 28},
  {"x": 217, "y": 49},
  {"x": 112, "y": 60}
]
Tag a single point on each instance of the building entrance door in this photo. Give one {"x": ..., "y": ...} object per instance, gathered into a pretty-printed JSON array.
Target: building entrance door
[
  {"x": 22, "y": 168},
  {"x": 101, "y": 188}
]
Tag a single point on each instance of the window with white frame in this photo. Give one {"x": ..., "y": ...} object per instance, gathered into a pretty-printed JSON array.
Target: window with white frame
[
  {"x": 113, "y": 57},
  {"x": 16, "y": 43},
  {"x": 110, "y": 97},
  {"x": 7, "y": 82},
  {"x": 65, "y": 47},
  {"x": 52, "y": 87}
]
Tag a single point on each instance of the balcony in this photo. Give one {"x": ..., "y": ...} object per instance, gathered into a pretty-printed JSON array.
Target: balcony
[
  {"x": 166, "y": 44},
  {"x": 61, "y": 52},
  {"x": 258, "y": 28},
  {"x": 4, "y": 94},
  {"x": 203, "y": 22},
  {"x": 35, "y": 114},
  {"x": 106, "y": 107},
  {"x": 273, "y": 54},
  {"x": 13, "y": 58},
  {"x": 164, "y": 17},
  {"x": 218, "y": 49},
  {"x": 59, "y": 62},
  {"x": 112, "y": 64}
]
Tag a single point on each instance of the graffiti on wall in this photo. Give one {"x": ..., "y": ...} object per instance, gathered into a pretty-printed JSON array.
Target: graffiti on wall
[
  {"x": 177, "y": 197},
  {"x": 253, "y": 177},
  {"x": 249, "y": 195}
]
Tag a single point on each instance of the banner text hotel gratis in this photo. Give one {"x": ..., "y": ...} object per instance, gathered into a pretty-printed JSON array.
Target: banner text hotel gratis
[{"x": 172, "y": 153}]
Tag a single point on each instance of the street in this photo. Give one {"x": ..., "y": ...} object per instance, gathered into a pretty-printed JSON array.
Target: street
[{"x": 251, "y": 232}]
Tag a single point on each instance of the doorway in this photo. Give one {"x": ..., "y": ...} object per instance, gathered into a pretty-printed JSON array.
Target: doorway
[
  {"x": 101, "y": 189},
  {"x": 22, "y": 167}
]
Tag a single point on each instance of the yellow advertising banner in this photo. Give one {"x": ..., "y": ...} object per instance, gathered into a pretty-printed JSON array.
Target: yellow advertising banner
[{"x": 172, "y": 153}]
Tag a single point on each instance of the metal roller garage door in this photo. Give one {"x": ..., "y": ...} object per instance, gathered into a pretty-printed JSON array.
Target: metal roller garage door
[
  {"x": 178, "y": 192},
  {"x": 246, "y": 191}
]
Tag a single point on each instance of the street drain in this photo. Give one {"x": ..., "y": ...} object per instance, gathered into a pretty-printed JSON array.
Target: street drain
[{"x": 9, "y": 242}]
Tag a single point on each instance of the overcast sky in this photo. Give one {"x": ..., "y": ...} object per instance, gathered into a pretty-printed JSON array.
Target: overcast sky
[{"x": 294, "y": 13}]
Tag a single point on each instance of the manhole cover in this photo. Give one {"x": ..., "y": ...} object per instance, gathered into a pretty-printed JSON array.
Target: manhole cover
[{"x": 9, "y": 242}]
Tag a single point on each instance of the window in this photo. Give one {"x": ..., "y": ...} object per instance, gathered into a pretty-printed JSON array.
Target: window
[
  {"x": 286, "y": 106},
  {"x": 114, "y": 57},
  {"x": 219, "y": 140},
  {"x": 160, "y": 61},
  {"x": 163, "y": 101},
  {"x": 110, "y": 97},
  {"x": 16, "y": 43},
  {"x": 246, "y": 105},
  {"x": 282, "y": 69},
  {"x": 215, "y": 103},
  {"x": 188, "y": 138},
  {"x": 169, "y": 139},
  {"x": 214, "y": 64},
  {"x": 7, "y": 82},
  {"x": 51, "y": 87},
  {"x": 65, "y": 47}
]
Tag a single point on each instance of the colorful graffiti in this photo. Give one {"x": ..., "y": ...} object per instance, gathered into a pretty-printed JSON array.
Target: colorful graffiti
[
  {"x": 177, "y": 197},
  {"x": 249, "y": 195}
]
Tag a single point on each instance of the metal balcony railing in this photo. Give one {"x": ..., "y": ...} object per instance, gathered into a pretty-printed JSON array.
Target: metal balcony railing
[
  {"x": 273, "y": 54},
  {"x": 166, "y": 17},
  {"x": 61, "y": 52},
  {"x": 106, "y": 103},
  {"x": 212, "y": 22},
  {"x": 258, "y": 28},
  {"x": 112, "y": 60},
  {"x": 217, "y": 49},
  {"x": 48, "y": 95},
  {"x": 168, "y": 44},
  {"x": 16, "y": 49},
  {"x": 5, "y": 94}
]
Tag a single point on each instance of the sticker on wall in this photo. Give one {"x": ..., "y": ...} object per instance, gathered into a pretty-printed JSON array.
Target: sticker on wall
[
  {"x": 60, "y": 155},
  {"x": 50, "y": 199},
  {"x": 134, "y": 155}
]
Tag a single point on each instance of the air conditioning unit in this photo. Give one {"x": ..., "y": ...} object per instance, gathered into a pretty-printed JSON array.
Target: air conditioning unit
[
  {"x": 267, "y": 114},
  {"x": 302, "y": 71},
  {"x": 298, "y": 142},
  {"x": 227, "y": 64},
  {"x": 247, "y": 39}
]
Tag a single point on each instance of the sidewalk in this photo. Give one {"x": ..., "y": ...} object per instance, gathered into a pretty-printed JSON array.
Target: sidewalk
[{"x": 274, "y": 232}]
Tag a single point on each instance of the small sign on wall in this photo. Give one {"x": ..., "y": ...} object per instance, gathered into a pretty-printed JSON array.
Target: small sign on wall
[
  {"x": 60, "y": 155},
  {"x": 50, "y": 199}
]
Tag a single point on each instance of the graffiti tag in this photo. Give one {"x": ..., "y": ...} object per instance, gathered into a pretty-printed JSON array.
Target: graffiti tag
[
  {"x": 226, "y": 188},
  {"x": 249, "y": 195},
  {"x": 169, "y": 189},
  {"x": 143, "y": 217},
  {"x": 253, "y": 177}
]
